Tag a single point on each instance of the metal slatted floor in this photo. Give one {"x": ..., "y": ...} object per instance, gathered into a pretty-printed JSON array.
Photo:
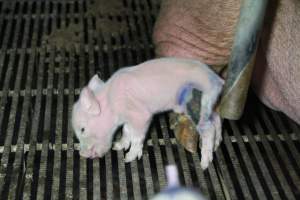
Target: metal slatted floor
[{"x": 48, "y": 51}]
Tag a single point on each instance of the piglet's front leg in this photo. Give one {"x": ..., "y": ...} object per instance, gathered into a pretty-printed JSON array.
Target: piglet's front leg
[
  {"x": 134, "y": 133},
  {"x": 136, "y": 136},
  {"x": 124, "y": 142}
]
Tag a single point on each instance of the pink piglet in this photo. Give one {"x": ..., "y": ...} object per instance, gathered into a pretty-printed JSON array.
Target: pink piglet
[{"x": 134, "y": 94}]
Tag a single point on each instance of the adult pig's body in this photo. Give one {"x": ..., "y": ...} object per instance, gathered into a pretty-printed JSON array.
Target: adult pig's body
[{"x": 131, "y": 97}]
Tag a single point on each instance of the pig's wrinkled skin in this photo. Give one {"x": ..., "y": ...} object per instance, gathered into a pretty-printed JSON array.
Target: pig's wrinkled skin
[
  {"x": 204, "y": 30},
  {"x": 131, "y": 97}
]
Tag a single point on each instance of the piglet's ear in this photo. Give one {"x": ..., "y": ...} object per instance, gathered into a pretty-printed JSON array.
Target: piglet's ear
[
  {"x": 95, "y": 83},
  {"x": 89, "y": 102}
]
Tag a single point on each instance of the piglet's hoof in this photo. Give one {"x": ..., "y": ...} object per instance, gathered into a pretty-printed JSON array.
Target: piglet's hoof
[
  {"x": 133, "y": 154},
  {"x": 185, "y": 132},
  {"x": 206, "y": 159}
]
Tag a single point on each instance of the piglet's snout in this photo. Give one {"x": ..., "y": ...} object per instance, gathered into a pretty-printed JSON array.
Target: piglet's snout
[{"x": 89, "y": 153}]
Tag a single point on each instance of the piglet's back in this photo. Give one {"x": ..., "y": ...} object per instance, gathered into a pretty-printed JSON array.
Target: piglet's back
[
  {"x": 173, "y": 73},
  {"x": 156, "y": 83}
]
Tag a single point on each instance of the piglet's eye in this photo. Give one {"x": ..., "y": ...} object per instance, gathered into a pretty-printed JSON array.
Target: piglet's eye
[{"x": 82, "y": 130}]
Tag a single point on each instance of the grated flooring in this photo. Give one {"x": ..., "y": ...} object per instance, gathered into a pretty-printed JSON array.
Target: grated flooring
[{"x": 48, "y": 51}]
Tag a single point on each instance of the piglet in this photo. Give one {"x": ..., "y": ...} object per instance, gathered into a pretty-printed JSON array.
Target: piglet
[{"x": 134, "y": 94}]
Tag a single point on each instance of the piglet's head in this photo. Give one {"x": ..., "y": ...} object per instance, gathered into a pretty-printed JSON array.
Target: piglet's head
[{"x": 93, "y": 121}]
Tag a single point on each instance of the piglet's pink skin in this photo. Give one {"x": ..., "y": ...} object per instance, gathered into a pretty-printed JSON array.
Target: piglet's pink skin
[{"x": 134, "y": 94}]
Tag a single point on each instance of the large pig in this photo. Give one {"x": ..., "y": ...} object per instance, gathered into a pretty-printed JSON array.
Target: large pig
[
  {"x": 204, "y": 30},
  {"x": 131, "y": 97}
]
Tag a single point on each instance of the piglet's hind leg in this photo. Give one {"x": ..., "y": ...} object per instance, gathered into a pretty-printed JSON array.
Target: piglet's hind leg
[
  {"x": 211, "y": 138},
  {"x": 207, "y": 138},
  {"x": 209, "y": 125},
  {"x": 208, "y": 101},
  {"x": 218, "y": 126}
]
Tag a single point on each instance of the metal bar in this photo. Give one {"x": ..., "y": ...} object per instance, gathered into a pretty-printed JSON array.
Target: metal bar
[
  {"x": 29, "y": 176},
  {"x": 161, "y": 142},
  {"x": 215, "y": 182},
  {"x": 19, "y": 156},
  {"x": 135, "y": 180},
  {"x": 32, "y": 29},
  {"x": 96, "y": 175},
  {"x": 74, "y": 15},
  {"x": 200, "y": 175},
  {"x": 121, "y": 164},
  {"x": 237, "y": 168},
  {"x": 37, "y": 93},
  {"x": 182, "y": 157},
  {"x": 2, "y": 74},
  {"x": 290, "y": 144},
  {"x": 158, "y": 159},
  {"x": 2, "y": 18},
  {"x": 83, "y": 170},
  {"x": 134, "y": 168},
  {"x": 97, "y": 182},
  {"x": 9, "y": 31},
  {"x": 249, "y": 165},
  {"x": 70, "y": 142},
  {"x": 168, "y": 143},
  {"x": 282, "y": 153},
  {"x": 295, "y": 129},
  {"x": 82, "y": 82},
  {"x": 283, "y": 182},
  {"x": 16, "y": 31},
  {"x": 242, "y": 58},
  {"x": 109, "y": 179},
  {"x": 259, "y": 159},
  {"x": 9, "y": 131},
  {"x": 45, "y": 186},
  {"x": 58, "y": 132},
  {"x": 142, "y": 22},
  {"x": 104, "y": 47},
  {"x": 26, "y": 31},
  {"x": 148, "y": 175},
  {"x": 42, "y": 179},
  {"x": 108, "y": 162},
  {"x": 225, "y": 175}
]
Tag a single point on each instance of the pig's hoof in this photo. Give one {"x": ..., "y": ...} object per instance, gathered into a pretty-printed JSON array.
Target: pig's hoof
[
  {"x": 204, "y": 164},
  {"x": 129, "y": 157},
  {"x": 118, "y": 146},
  {"x": 132, "y": 155},
  {"x": 206, "y": 159}
]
